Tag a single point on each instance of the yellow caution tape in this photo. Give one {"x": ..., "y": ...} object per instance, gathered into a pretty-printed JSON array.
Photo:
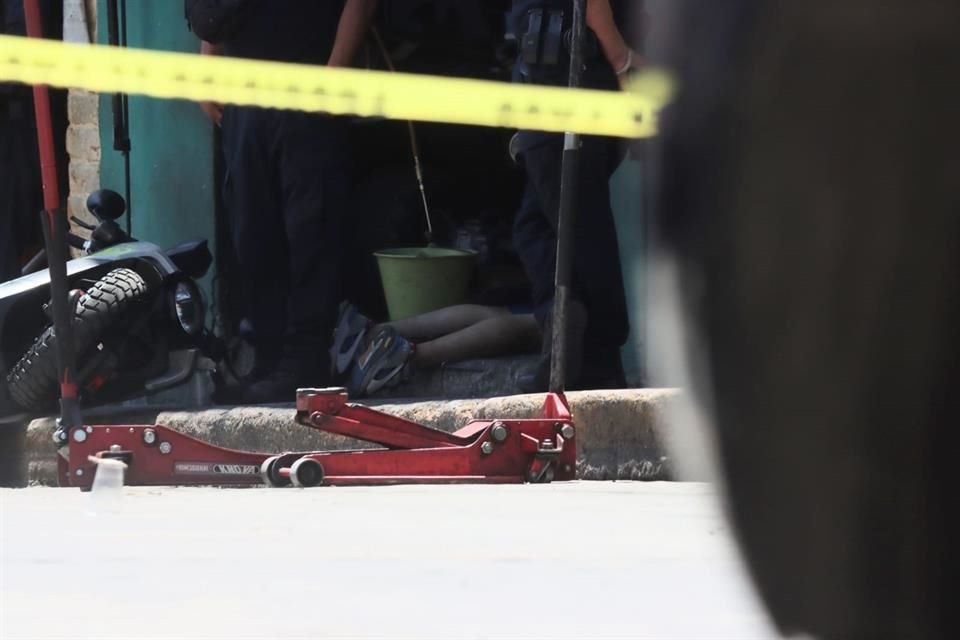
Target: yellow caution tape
[{"x": 398, "y": 96}]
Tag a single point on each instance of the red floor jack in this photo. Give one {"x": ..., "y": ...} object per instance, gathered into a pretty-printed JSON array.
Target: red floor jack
[{"x": 484, "y": 451}]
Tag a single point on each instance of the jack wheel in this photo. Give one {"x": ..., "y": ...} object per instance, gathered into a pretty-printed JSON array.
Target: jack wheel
[
  {"x": 270, "y": 473},
  {"x": 306, "y": 472}
]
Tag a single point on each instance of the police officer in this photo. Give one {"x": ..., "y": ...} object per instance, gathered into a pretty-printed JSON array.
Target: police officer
[
  {"x": 597, "y": 321},
  {"x": 286, "y": 190}
]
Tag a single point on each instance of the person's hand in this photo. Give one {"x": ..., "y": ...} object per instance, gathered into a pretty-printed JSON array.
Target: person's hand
[{"x": 214, "y": 111}]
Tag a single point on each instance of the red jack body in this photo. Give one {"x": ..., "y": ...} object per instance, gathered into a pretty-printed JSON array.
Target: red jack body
[{"x": 484, "y": 451}]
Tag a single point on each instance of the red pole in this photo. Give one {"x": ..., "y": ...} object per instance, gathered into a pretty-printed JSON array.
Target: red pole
[
  {"x": 41, "y": 105},
  {"x": 55, "y": 236}
]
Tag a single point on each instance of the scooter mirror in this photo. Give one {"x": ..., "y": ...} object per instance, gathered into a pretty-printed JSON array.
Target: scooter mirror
[{"x": 106, "y": 204}]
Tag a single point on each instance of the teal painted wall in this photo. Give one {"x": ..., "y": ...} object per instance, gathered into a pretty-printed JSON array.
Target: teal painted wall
[
  {"x": 172, "y": 191},
  {"x": 626, "y": 189}
]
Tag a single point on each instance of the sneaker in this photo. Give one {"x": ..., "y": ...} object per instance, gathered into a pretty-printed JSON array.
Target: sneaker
[
  {"x": 352, "y": 328},
  {"x": 381, "y": 363}
]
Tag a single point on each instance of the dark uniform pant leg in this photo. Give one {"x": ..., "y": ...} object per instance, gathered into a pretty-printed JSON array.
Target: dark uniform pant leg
[
  {"x": 314, "y": 184},
  {"x": 598, "y": 277},
  {"x": 286, "y": 190},
  {"x": 252, "y": 198},
  {"x": 535, "y": 241},
  {"x": 20, "y": 193},
  {"x": 9, "y": 252}
]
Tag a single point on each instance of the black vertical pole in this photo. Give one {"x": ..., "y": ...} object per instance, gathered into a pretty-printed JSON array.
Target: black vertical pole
[
  {"x": 569, "y": 193},
  {"x": 117, "y": 37},
  {"x": 127, "y": 146},
  {"x": 55, "y": 239}
]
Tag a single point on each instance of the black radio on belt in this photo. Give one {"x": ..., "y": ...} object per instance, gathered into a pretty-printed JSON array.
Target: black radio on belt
[
  {"x": 546, "y": 37},
  {"x": 543, "y": 38}
]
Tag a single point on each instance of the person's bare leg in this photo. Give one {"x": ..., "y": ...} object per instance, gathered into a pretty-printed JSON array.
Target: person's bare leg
[
  {"x": 501, "y": 334},
  {"x": 443, "y": 322}
]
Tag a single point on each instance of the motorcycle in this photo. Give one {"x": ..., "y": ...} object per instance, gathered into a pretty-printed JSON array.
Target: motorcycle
[{"x": 139, "y": 319}]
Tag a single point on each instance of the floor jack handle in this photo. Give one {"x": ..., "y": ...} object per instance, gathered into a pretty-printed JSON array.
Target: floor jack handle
[
  {"x": 569, "y": 193},
  {"x": 55, "y": 239}
]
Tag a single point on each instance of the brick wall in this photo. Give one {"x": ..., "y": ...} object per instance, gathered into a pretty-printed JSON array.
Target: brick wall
[{"x": 83, "y": 132}]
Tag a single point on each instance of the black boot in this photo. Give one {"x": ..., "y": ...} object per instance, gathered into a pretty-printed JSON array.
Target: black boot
[
  {"x": 303, "y": 363},
  {"x": 538, "y": 380},
  {"x": 602, "y": 369}
]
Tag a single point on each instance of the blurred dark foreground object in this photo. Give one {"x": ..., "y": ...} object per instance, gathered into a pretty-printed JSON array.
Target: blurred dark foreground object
[{"x": 811, "y": 200}]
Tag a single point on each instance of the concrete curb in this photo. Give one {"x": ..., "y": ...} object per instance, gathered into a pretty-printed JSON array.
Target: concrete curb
[{"x": 620, "y": 433}]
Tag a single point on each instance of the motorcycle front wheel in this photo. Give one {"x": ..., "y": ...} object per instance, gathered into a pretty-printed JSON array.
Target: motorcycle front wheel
[{"x": 33, "y": 381}]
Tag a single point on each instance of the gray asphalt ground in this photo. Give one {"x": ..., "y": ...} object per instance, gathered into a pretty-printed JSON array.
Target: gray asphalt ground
[{"x": 578, "y": 560}]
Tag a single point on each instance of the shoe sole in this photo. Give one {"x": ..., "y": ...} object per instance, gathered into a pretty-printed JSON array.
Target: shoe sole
[{"x": 366, "y": 381}]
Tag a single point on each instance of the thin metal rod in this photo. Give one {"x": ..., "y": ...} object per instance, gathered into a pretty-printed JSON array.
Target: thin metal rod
[
  {"x": 415, "y": 148},
  {"x": 569, "y": 194},
  {"x": 419, "y": 170}
]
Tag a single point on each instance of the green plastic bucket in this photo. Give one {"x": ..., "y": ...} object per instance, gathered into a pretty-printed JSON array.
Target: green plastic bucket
[{"x": 417, "y": 280}]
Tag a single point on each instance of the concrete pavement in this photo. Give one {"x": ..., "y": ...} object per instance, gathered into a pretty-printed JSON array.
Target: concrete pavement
[{"x": 577, "y": 560}]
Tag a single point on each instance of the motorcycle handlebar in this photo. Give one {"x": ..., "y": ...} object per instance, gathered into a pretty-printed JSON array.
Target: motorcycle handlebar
[
  {"x": 39, "y": 261},
  {"x": 76, "y": 241}
]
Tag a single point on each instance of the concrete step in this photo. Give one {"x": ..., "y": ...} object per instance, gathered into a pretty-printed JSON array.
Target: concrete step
[
  {"x": 487, "y": 378},
  {"x": 619, "y": 433},
  {"x": 484, "y": 378}
]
